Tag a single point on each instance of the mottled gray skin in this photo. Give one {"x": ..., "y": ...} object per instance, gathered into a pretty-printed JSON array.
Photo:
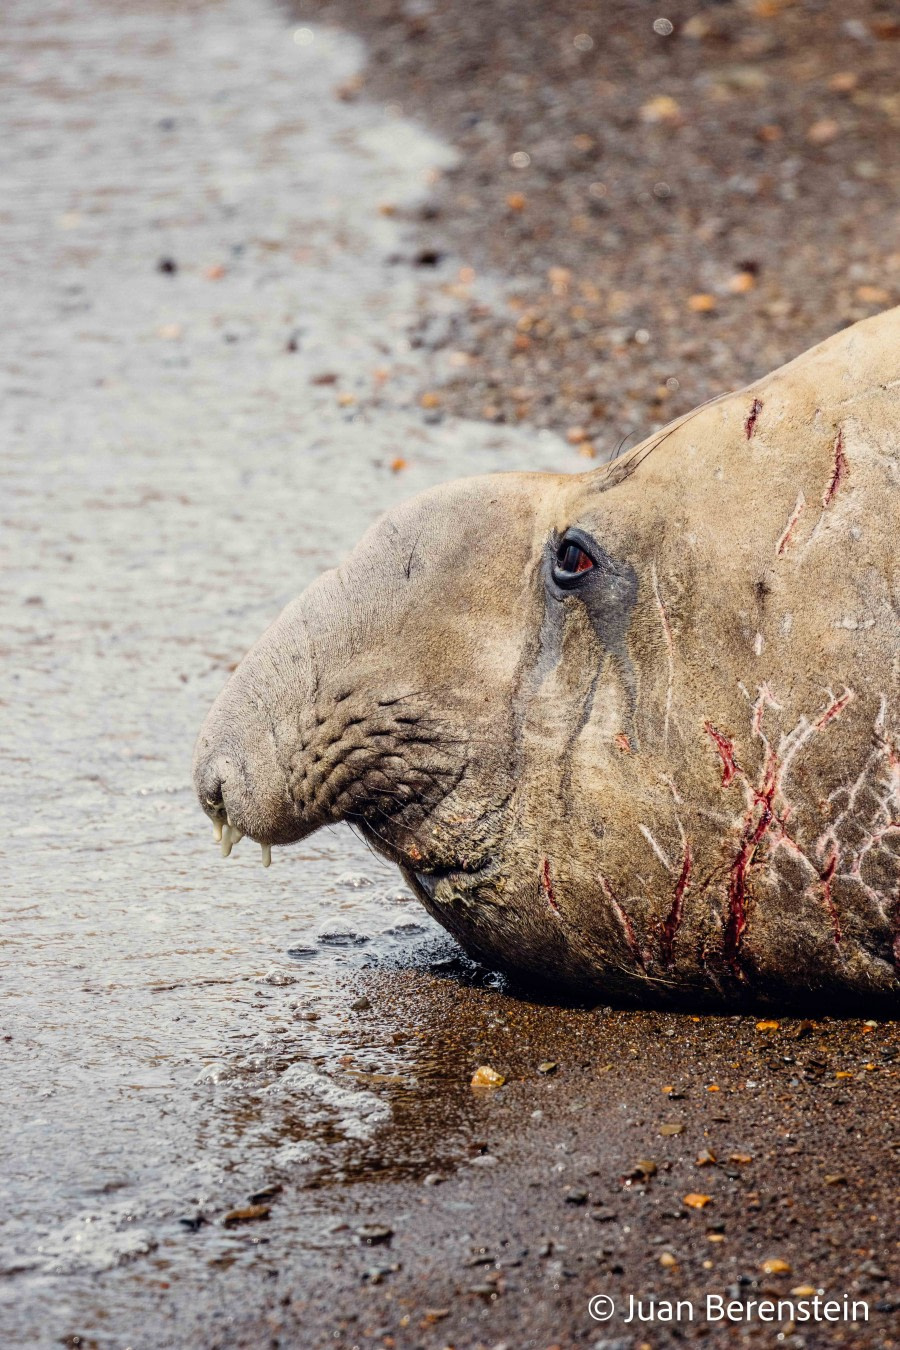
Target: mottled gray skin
[{"x": 680, "y": 779}]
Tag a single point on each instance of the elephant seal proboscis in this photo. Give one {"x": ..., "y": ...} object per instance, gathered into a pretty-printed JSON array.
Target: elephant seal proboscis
[{"x": 634, "y": 730}]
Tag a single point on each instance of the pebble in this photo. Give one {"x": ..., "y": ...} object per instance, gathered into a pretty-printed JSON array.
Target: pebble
[
  {"x": 249, "y": 1214},
  {"x": 278, "y": 977},
  {"x": 694, "y": 1200},
  {"x": 485, "y": 1076},
  {"x": 378, "y": 1274},
  {"x": 374, "y": 1234}
]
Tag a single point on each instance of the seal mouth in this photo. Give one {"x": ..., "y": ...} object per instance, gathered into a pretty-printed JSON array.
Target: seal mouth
[{"x": 228, "y": 835}]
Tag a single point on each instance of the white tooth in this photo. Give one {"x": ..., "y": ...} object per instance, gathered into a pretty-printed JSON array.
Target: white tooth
[
  {"x": 217, "y": 831},
  {"x": 236, "y": 835},
  {"x": 227, "y": 841},
  {"x": 266, "y": 854}
]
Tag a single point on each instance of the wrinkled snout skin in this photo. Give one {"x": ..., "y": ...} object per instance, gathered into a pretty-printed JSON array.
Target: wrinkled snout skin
[{"x": 673, "y": 778}]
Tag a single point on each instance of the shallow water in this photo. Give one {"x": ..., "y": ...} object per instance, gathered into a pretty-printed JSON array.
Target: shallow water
[{"x": 182, "y": 454}]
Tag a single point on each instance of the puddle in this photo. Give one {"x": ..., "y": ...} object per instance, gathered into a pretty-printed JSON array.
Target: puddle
[{"x": 206, "y": 376}]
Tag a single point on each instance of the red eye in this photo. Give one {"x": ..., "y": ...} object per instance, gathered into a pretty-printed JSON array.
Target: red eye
[{"x": 571, "y": 559}]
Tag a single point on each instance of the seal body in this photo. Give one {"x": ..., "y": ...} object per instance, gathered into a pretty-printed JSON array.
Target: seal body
[{"x": 634, "y": 730}]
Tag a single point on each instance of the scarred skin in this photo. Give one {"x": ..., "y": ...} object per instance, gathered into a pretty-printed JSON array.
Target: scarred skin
[{"x": 678, "y": 777}]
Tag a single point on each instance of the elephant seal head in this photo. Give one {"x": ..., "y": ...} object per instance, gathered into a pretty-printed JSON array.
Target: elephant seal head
[
  {"x": 634, "y": 729},
  {"x": 431, "y": 691}
]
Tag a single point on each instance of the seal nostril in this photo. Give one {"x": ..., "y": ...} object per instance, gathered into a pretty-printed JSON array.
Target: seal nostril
[{"x": 210, "y": 792}]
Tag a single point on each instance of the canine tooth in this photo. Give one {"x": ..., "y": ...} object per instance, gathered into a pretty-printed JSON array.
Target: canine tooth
[
  {"x": 217, "y": 831},
  {"x": 227, "y": 841},
  {"x": 236, "y": 835},
  {"x": 266, "y": 854}
]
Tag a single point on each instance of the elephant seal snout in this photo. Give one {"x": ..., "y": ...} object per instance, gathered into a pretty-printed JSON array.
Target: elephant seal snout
[{"x": 636, "y": 729}]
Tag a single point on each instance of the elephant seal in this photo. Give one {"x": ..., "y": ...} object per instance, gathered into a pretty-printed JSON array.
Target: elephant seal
[{"x": 634, "y": 730}]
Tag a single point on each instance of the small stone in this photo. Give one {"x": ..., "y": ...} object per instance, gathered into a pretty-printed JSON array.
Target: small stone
[
  {"x": 266, "y": 1193},
  {"x": 701, "y": 303},
  {"x": 517, "y": 201},
  {"x": 872, "y": 295},
  {"x": 193, "y": 1222},
  {"x": 377, "y": 1274},
  {"x": 697, "y": 28},
  {"x": 843, "y": 82},
  {"x": 662, "y": 108},
  {"x": 374, "y": 1234},
  {"x": 547, "y": 1066},
  {"x": 485, "y": 1076},
  {"x": 644, "y": 1167},
  {"x": 574, "y": 1196},
  {"x": 694, "y": 1200},
  {"x": 360, "y": 1004},
  {"x": 667, "y": 1260},
  {"x": 249, "y": 1214},
  {"x": 671, "y": 1128},
  {"x": 775, "y": 1266},
  {"x": 824, "y": 131},
  {"x": 430, "y": 400},
  {"x": 277, "y": 977},
  {"x": 741, "y": 283}
]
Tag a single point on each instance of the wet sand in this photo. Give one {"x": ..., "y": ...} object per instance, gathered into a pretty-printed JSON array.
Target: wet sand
[{"x": 235, "y": 1104}]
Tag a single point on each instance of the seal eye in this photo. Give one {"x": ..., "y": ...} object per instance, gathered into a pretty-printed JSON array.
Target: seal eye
[{"x": 571, "y": 561}]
